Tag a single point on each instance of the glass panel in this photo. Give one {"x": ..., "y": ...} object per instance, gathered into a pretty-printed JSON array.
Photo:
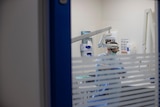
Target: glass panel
[
  {"x": 114, "y": 81},
  {"x": 114, "y": 53}
]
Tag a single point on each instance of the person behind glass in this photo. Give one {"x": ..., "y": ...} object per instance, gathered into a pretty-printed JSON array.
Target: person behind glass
[
  {"x": 112, "y": 48},
  {"x": 106, "y": 61}
]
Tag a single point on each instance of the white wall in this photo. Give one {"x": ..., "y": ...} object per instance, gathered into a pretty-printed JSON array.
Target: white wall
[
  {"x": 125, "y": 16},
  {"x": 86, "y": 15}
]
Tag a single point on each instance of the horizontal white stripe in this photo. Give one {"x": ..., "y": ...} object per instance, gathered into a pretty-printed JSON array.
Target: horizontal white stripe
[
  {"x": 118, "y": 102},
  {"x": 141, "y": 104},
  {"x": 113, "y": 93},
  {"x": 117, "y": 62},
  {"x": 107, "y": 67},
  {"x": 125, "y": 88},
  {"x": 125, "y": 99},
  {"x": 112, "y": 79},
  {"x": 121, "y": 56},
  {"x": 94, "y": 72},
  {"x": 102, "y": 61},
  {"x": 134, "y": 83}
]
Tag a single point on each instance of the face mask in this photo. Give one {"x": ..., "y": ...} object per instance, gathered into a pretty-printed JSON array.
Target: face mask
[{"x": 113, "y": 53}]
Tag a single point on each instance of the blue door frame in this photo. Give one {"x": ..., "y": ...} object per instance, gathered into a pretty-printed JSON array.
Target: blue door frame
[{"x": 60, "y": 53}]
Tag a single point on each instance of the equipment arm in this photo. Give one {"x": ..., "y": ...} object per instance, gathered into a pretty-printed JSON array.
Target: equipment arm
[{"x": 90, "y": 34}]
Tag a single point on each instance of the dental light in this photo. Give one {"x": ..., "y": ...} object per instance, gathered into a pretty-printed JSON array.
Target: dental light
[{"x": 102, "y": 39}]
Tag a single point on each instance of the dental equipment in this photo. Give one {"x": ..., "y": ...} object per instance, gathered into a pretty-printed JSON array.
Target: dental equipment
[
  {"x": 111, "y": 46},
  {"x": 91, "y": 34},
  {"x": 148, "y": 18},
  {"x": 107, "y": 37}
]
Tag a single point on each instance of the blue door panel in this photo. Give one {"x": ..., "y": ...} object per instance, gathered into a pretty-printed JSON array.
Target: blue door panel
[{"x": 60, "y": 54}]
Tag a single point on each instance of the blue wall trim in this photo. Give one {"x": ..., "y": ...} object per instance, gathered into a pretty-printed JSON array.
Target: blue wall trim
[{"x": 60, "y": 54}]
